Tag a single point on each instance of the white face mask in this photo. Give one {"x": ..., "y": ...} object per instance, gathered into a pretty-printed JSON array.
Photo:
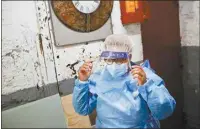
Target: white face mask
[{"x": 117, "y": 70}]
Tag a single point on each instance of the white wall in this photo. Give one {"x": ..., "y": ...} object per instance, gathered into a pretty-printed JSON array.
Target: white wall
[
  {"x": 23, "y": 64},
  {"x": 28, "y": 61},
  {"x": 189, "y": 22}
]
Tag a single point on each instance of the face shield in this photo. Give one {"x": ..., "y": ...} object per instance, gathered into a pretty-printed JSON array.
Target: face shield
[{"x": 110, "y": 59}]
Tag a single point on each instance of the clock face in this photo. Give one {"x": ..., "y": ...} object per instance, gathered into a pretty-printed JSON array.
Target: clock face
[
  {"x": 86, "y": 6},
  {"x": 83, "y": 16}
]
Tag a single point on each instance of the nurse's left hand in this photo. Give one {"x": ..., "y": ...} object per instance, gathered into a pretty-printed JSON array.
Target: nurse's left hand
[{"x": 139, "y": 74}]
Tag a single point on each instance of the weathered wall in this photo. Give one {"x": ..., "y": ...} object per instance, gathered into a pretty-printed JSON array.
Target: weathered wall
[
  {"x": 25, "y": 63},
  {"x": 189, "y": 31},
  {"x": 29, "y": 56}
]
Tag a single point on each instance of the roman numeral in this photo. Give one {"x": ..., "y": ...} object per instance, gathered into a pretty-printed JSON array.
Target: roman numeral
[
  {"x": 88, "y": 9},
  {"x": 96, "y": 1},
  {"x": 77, "y": 3},
  {"x": 93, "y": 6},
  {"x": 81, "y": 8}
]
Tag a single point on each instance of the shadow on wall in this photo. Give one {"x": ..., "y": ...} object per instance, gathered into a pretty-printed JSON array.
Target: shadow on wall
[{"x": 190, "y": 76}]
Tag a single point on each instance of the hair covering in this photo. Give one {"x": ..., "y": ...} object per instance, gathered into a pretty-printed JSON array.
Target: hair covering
[{"x": 118, "y": 43}]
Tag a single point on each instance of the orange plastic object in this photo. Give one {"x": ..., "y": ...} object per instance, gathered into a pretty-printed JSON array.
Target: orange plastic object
[{"x": 133, "y": 11}]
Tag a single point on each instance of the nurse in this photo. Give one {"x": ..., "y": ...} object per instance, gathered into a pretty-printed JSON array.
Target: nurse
[{"x": 125, "y": 95}]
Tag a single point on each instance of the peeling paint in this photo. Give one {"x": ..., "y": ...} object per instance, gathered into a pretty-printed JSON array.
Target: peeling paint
[
  {"x": 18, "y": 41},
  {"x": 45, "y": 19},
  {"x": 41, "y": 46},
  {"x": 38, "y": 87},
  {"x": 13, "y": 50},
  {"x": 27, "y": 51},
  {"x": 47, "y": 38},
  {"x": 49, "y": 46},
  {"x": 83, "y": 50},
  {"x": 71, "y": 66}
]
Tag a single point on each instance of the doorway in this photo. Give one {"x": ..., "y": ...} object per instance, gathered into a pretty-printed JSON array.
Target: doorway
[{"x": 162, "y": 45}]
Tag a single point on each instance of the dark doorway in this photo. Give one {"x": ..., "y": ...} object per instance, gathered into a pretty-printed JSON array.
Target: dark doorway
[{"x": 161, "y": 45}]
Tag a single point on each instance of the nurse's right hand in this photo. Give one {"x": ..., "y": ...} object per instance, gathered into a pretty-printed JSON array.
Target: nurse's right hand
[{"x": 85, "y": 71}]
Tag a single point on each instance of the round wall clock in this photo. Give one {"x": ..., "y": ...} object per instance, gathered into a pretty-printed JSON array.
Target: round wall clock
[{"x": 83, "y": 16}]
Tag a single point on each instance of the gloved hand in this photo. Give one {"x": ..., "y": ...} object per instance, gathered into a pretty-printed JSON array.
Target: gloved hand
[
  {"x": 85, "y": 71},
  {"x": 138, "y": 74}
]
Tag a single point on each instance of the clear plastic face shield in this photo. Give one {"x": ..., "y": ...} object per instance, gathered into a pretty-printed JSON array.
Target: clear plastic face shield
[{"x": 111, "y": 58}]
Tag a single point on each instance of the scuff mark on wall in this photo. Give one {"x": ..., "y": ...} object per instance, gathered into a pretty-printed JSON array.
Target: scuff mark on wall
[
  {"x": 27, "y": 51},
  {"x": 46, "y": 38},
  {"x": 41, "y": 46},
  {"x": 42, "y": 52},
  {"x": 49, "y": 46},
  {"x": 83, "y": 50},
  {"x": 11, "y": 53},
  {"x": 45, "y": 19},
  {"x": 38, "y": 87},
  {"x": 14, "y": 50}
]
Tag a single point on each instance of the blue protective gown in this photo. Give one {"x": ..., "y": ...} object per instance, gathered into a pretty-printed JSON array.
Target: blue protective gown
[{"x": 120, "y": 103}]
